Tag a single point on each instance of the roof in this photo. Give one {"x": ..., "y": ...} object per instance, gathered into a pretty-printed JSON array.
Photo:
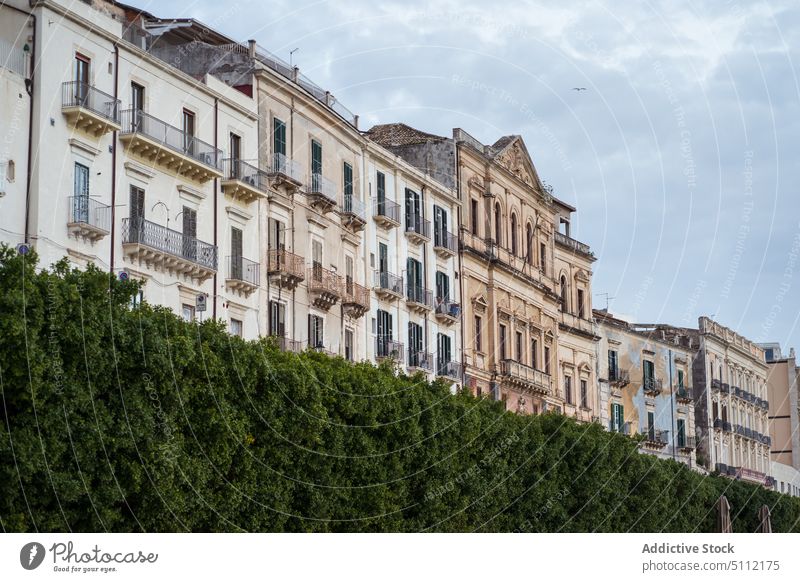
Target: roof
[{"x": 399, "y": 134}]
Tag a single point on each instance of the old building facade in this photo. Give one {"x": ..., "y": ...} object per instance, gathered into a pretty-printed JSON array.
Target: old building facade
[{"x": 646, "y": 381}]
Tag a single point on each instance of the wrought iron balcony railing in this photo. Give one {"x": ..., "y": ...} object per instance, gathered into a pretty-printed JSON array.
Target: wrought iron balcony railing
[
  {"x": 389, "y": 283},
  {"x": 387, "y": 212},
  {"x": 386, "y": 347},
  {"x": 244, "y": 270},
  {"x": 420, "y": 359},
  {"x": 87, "y": 211},
  {"x": 418, "y": 226},
  {"x": 419, "y": 296},
  {"x": 171, "y": 242},
  {"x": 287, "y": 345},
  {"x": 284, "y": 166},
  {"x": 353, "y": 207},
  {"x": 447, "y": 308},
  {"x": 85, "y": 96},
  {"x": 445, "y": 242},
  {"x": 618, "y": 376},
  {"x": 321, "y": 188},
  {"x": 174, "y": 138},
  {"x": 652, "y": 385},
  {"x": 448, "y": 369},
  {"x": 233, "y": 169}
]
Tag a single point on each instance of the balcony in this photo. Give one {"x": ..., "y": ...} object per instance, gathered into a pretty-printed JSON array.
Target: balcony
[
  {"x": 624, "y": 428},
  {"x": 576, "y": 324},
  {"x": 287, "y": 345},
  {"x": 725, "y": 388},
  {"x": 388, "y": 286},
  {"x": 418, "y": 230},
  {"x": 387, "y": 348},
  {"x": 88, "y": 219},
  {"x": 88, "y": 109},
  {"x": 683, "y": 395},
  {"x": 171, "y": 148},
  {"x": 445, "y": 244},
  {"x": 574, "y": 245},
  {"x": 285, "y": 174},
  {"x": 751, "y": 475},
  {"x": 652, "y": 386},
  {"x": 488, "y": 250},
  {"x": 324, "y": 286},
  {"x": 321, "y": 348},
  {"x": 718, "y": 423},
  {"x": 242, "y": 275},
  {"x": 418, "y": 298},
  {"x": 727, "y": 426},
  {"x": 687, "y": 443},
  {"x": 448, "y": 369},
  {"x": 354, "y": 213},
  {"x": 419, "y": 360},
  {"x": 286, "y": 268},
  {"x": 447, "y": 312},
  {"x": 618, "y": 378},
  {"x": 243, "y": 182},
  {"x": 524, "y": 377},
  {"x": 162, "y": 248},
  {"x": 716, "y": 385},
  {"x": 321, "y": 193},
  {"x": 656, "y": 439},
  {"x": 386, "y": 214},
  {"x": 355, "y": 299}
]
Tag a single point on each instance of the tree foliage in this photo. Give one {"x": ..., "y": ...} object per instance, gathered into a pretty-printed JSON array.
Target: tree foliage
[{"x": 128, "y": 419}]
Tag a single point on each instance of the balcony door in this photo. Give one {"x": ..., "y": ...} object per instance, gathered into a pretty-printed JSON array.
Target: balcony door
[
  {"x": 440, "y": 226},
  {"x": 413, "y": 210},
  {"x": 444, "y": 351},
  {"x": 82, "y": 66},
  {"x": 136, "y": 214},
  {"x": 414, "y": 273},
  {"x": 348, "y": 274},
  {"x": 347, "y": 179},
  {"x": 316, "y": 166},
  {"x": 315, "y": 331},
  {"x": 137, "y": 106},
  {"x": 276, "y": 238},
  {"x": 236, "y": 253},
  {"x": 189, "y": 233},
  {"x": 277, "y": 319},
  {"x": 316, "y": 259},
  {"x": 385, "y": 333},
  {"x": 415, "y": 345},
  {"x": 381, "y": 193},
  {"x": 442, "y": 286},
  {"x": 188, "y": 132},
  {"x": 236, "y": 155},
  {"x": 80, "y": 201}
]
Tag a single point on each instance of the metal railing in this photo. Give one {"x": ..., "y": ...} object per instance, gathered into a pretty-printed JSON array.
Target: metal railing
[
  {"x": 319, "y": 185},
  {"x": 420, "y": 359},
  {"x": 618, "y": 376},
  {"x": 355, "y": 293},
  {"x": 322, "y": 280},
  {"x": 683, "y": 393},
  {"x": 446, "y": 307},
  {"x": 573, "y": 244},
  {"x": 353, "y": 206},
  {"x": 81, "y": 94},
  {"x": 445, "y": 240},
  {"x": 448, "y": 369},
  {"x": 525, "y": 373},
  {"x": 659, "y": 436},
  {"x": 85, "y": 210},
  {"x": 652, "y": 385},
  {"x": 161, "y": 238},
  {"x": 624, "y": 428},
  {"x": 135, "y": 121},
  {"x": 419, "y": 294},
  {"x": 687, "y": 442},
  {"x": 386, "y": 347},
  {"x": 716, "y": 385},
  {"x": 241, "y": 269},
  {"x": 288, "y": 167},
  {"x": 416, "y": 224},
  {"x": 491, "y": 251},
  {"x": 389, "y": 282},
  {"x": 233, "y": 169},
  {"x": 287, "y": 345},
  {"x": 387, "y": 209},
  {"x": 282, "y": 261}
]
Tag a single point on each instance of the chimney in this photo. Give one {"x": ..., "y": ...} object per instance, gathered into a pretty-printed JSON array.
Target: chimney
[{"x": 251, "y": 49}]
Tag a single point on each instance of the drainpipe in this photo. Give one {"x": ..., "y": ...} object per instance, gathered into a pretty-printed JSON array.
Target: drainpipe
[
  {"x": 216, "y": 188},
  {"x": 424, "y": 263},
  {"x": 672, "y": 406},
  {"x": 114, "y": 160},
  {"x": 457, "y": 174},
  {"x": 29, "y": 87}
]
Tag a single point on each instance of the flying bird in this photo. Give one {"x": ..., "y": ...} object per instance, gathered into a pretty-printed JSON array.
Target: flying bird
[{"x": 579, "y": 88}]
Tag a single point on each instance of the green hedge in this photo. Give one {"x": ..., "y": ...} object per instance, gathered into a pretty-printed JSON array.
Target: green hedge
[{"x": 125, "y": 419}]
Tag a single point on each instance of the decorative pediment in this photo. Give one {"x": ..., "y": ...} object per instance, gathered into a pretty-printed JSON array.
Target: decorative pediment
[
  {"x": 479, "y": 303},
  {"x": 584, "y": 368},
  {"x": 515, "y": 158},
  {"x": 582, "y": 275}
]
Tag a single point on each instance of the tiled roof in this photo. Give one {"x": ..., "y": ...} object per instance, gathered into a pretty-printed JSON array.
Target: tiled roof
[{"x": 399, "y": 134}]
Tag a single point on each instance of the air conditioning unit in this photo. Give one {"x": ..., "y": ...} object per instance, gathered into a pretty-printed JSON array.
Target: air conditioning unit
[{"x": 209, "y": 159}]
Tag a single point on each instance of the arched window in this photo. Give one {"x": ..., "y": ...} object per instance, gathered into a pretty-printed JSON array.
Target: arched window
[
  {"x": 498, "y": 224},
  {"x": 529, "y": 242},
  {"x": 514, "y": 247},
  {"x": 564, "y": 306}
]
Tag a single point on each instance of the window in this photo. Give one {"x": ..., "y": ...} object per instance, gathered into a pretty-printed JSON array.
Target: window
[
  {"x": 443, "y": 350},
  {"x": 236, "y": 327},
  {"x": 478, "y": 334},
  {"x": 384, "y": 334},
  {"x": 651, "y": 425},
  {"x": 498, "y": 224},
  {"x": 136, "y": 214},
  {"x": 520, "y": 351},
  {"x": 348, "y": 345},
  {"x": 383, "y": 263},
  {"x": 80, "y": 201},
  {"x": 680, "y": 380},
  {"x": 277, "y": 319},
  {"x": 502, "y": 345},
  {"x": 514, "y": 247},
  {"x": 613, "y": 366},
  {"x": 380, "y": 180},
  {"x": 529, "y": 251},
  {"x": 473, "y": 216},
  {"x": 276, "y": 234},
  {"x": 568, "y": 389},
  {"x": 681, "y": 432},
  {"x": 348, "y": 275},
  {"x": 189, "y": 233},
  {"x": 442, "y": 287},
  {"x": 584, "y": 394},
  {"x": 137, "y": 299},
  {"x": 439, "y": 226},
  {"x": 535, "y": 354},
  {"x": 236, "y": 148},
  {"x": 414, "y": 212},
  {"x": 236, "y": 254},
  {"x": 278, "y": 142},
  {"x": 546, "y": 359},
  {"x": 347, "y": 183},
  {"x": 137, "y": 97},
  {"x": 648, "y": 374},
  {"x": 416, "y": 354},
  {"x": 580, "y": 304},
  {"x": 563, "y": 292},
  {"x": 315, "y": 332},
  {"x": 543, "y": 258},
  {"x": 188, "y": 131},
  {"x": 617, "y": 418},
  {"x": 81, "y": 89},
  {"x": 416, "y": 288},
  {"x": 187, "y": 312},
  {"x": 316, "y": 258},
  {"x": 316, "y": 165}
]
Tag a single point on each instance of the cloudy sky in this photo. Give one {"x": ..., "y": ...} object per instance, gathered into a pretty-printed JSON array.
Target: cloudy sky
[{"x": 680, "y": 154}]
